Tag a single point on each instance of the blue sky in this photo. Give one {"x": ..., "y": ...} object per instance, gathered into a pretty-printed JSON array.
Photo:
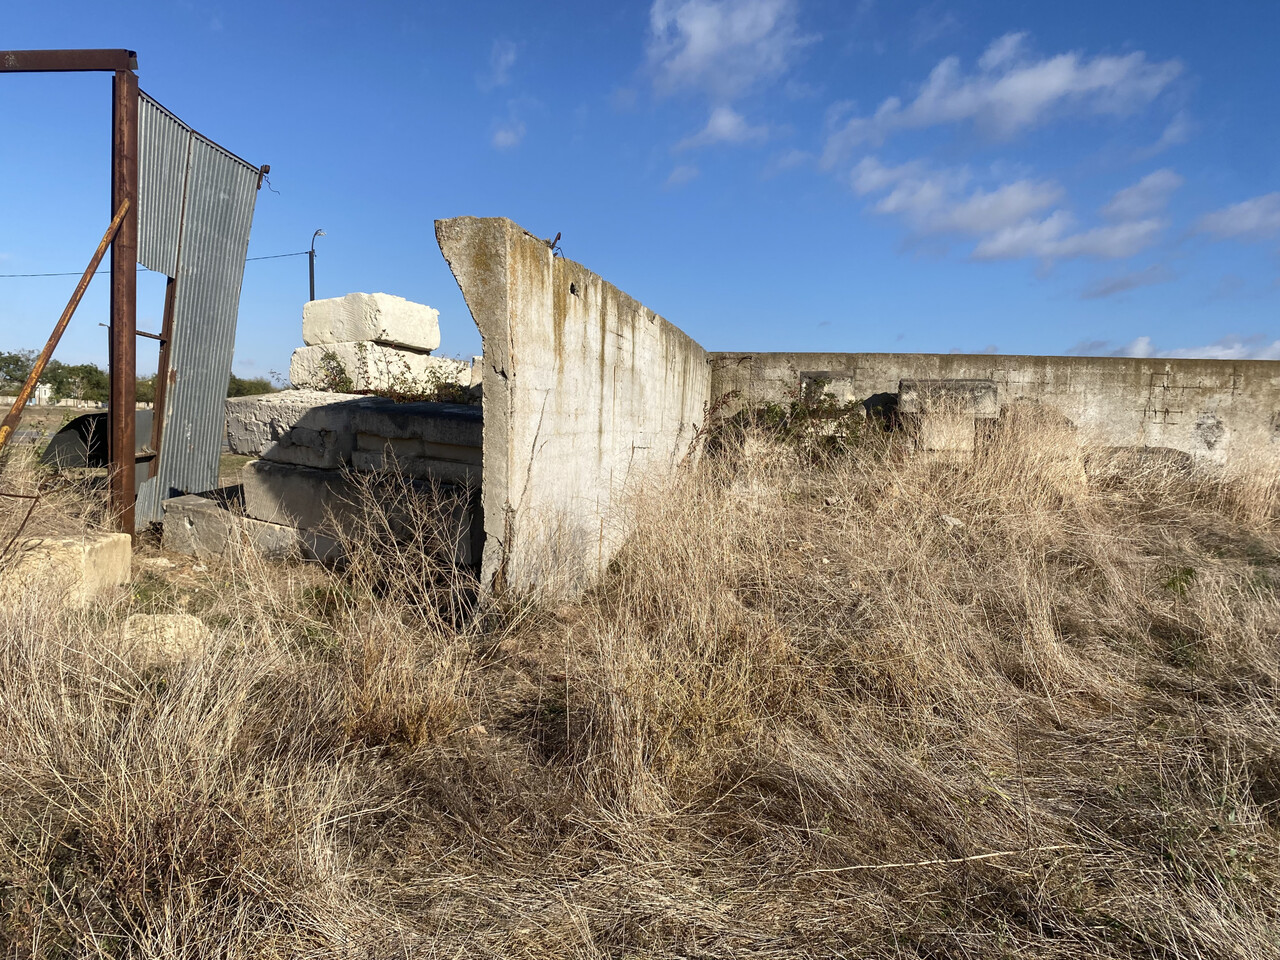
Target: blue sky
[{"x": 768, "y": 174}]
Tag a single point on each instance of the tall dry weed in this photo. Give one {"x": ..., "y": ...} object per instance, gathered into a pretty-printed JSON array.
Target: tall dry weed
[{"x": 878, "y": 702}]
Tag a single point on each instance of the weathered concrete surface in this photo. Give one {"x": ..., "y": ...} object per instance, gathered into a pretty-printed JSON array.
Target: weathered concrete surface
[
  {"x": 975, "y": 398},
  {"x": 292, "y": 426},
  {"x": 299, "y": 496},
  {"x": 336, "y": 506},
  {"x": 1205, "y": 408},
  {"x": 326, "y": 430},
  {"x": 71, "y": 570},
  {"x": 375, "y": 366},
  {"x": 377, "y": 317},
  {"x": 587, "y": 394},
  {"x": 208, "y": 529},
  {"x": 947, "y": 412}
]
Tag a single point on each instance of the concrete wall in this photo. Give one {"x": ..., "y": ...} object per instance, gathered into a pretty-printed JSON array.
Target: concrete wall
[
  {"x": 587, "y": 393},
  {"x": 1203, "y": 407}
]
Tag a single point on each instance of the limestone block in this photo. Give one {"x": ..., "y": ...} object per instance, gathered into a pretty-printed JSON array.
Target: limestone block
[
  {"x": 444, "y": 471},
  {"x": 269, "y": 421},
  {"x": 71, "y": 570},
  {"x": 330, "y": 504},
  {"x": 375, "y": 366},
  {"x": 159, "y": 638},
  {"x": 946, "y": 434},
  {"x": 200, "y": 527},
  {"x": 299, "y": 496},
  {"x": 322, "y": 430},
  {"x": 376, "y": 317}
]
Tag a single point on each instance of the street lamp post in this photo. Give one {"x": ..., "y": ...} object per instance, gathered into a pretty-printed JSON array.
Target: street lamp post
[{"x": 311, "y": 261}]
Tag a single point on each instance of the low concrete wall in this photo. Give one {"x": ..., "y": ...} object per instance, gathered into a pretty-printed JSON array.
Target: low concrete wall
[
  {"x": 587, "y": 393},
  {"x": 1206, "y": 408}
]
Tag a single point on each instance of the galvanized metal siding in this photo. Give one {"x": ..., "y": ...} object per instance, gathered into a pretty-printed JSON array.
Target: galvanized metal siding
[
  {"x": 212, "y": 242},
  {"x": 164, "y": 146}
]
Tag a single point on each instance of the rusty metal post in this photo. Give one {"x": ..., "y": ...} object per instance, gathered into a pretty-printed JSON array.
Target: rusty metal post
[
  {"x": 162, "y": 376},
  {"x": 15, "y": 413},
  {"x": 122, "y": 404}
]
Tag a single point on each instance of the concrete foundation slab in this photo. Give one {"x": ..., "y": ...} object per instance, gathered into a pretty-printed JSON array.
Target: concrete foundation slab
[{"x": 377, "y": 317}]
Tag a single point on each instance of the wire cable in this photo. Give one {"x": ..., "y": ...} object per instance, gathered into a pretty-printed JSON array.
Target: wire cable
[{"x": 77, "y": 273}]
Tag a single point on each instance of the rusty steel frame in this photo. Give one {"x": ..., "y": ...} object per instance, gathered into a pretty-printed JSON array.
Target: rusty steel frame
[
  {"x": 162, "y": 375},
  {"x": 66, "y": 61},
  {"x": 122, "y": 401},
  {"x": 10, "y": 423}
]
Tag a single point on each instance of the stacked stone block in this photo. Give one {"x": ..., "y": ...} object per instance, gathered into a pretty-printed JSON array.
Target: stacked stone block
[
  {"x": 324, "y": 458},
  {"x": 376, "y": 341}
]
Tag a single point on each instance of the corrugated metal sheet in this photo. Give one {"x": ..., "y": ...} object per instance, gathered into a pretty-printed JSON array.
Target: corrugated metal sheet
[
  {"x": 164, "y": 151},
  {"x": 210, "y": 243}
]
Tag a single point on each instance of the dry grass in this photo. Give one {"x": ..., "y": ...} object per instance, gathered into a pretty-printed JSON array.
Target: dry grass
[
  {"x": 34, "y": 503},
  {"x": 888, "y": 704}
]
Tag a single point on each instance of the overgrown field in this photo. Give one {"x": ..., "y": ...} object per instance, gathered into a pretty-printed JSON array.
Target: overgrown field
[{"x": 875, "y": 703}]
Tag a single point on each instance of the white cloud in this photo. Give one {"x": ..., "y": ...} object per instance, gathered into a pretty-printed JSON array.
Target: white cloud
[
  {"x": 939, "y": 202},
  {"x": 508, "y": 134},
  {"x": 978, "y": 213},
  {"x": 1052, "y": 239},
  {"x": 1132, "y": 280},
  {"x": 1176, "y": 132},
  {"x": 1149, "y": 195},
  {"x": 721, "y": 47},
  {"x": 872, "y": 176},
  {"x": 1001, "y": 51},
  {"x": 788, "y": 160},
  {"x": 1009, "y": 219},
  {"x": 1010, "y": 92},
  {"x": 502, "y": 57},
  {"x": 725, "y": 125},
  {"x": 1254, "y": 219},
  {"x": 1230, "y": 347},
  {"x": 682, "y": 175}
]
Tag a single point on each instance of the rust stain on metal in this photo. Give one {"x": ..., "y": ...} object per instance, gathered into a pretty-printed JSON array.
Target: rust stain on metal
[{"x": 122, "y": 402}]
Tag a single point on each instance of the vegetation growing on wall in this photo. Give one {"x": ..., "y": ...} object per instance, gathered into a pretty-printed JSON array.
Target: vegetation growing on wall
[{"x": 393, "y": 379}]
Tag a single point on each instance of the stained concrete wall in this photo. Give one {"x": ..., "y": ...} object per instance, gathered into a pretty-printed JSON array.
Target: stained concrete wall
[
  {"x": 1207, "y": 408},
  {"x": 587, "y": 394}
]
